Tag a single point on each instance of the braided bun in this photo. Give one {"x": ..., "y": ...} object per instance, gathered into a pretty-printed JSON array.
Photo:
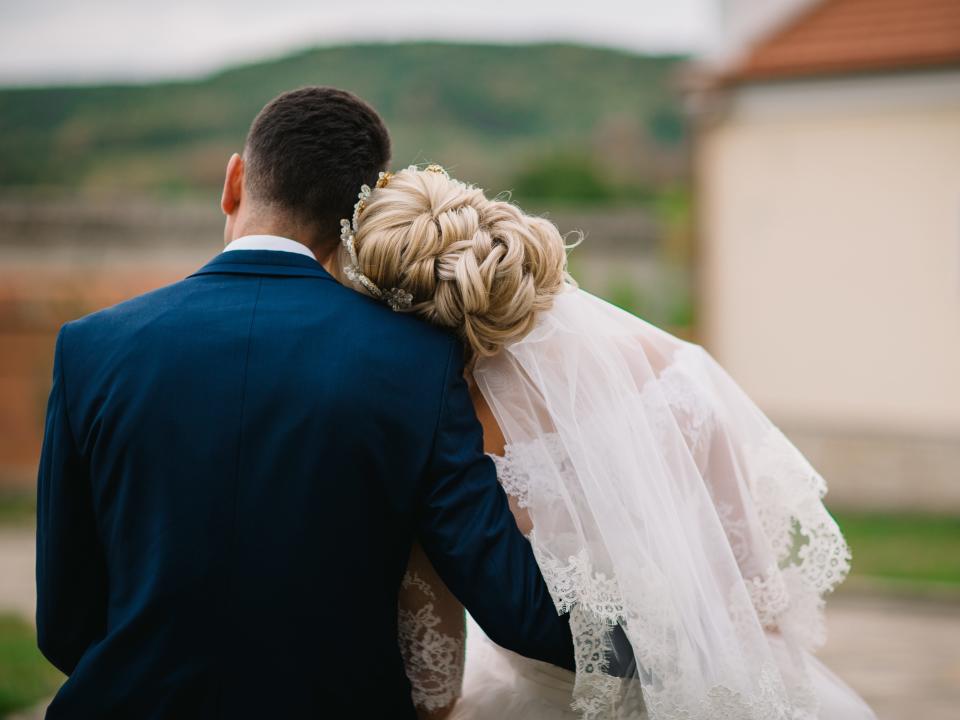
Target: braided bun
[{"x": 481, "y": 267}]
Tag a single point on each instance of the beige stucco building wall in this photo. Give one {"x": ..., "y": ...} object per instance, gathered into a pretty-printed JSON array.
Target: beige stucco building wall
[{"x": 829, "y": 265}]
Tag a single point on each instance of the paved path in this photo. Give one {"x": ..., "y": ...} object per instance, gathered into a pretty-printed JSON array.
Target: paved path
[
  {"x": 902, "y": 655},
  {"x": 17, "y": 557}
]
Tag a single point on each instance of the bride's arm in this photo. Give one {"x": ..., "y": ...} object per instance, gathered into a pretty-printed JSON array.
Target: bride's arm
[
  {"x": 495, "y": 444},
  {"x": 432, "y": 635},
  {"x": 431, "y": 619}
]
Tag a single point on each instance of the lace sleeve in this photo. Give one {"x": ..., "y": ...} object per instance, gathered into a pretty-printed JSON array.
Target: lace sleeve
[{"x": 431, "y": 625}]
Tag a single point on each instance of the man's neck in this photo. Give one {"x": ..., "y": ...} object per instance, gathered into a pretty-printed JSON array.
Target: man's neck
[
  {"x": 269, "y": 242},
  {"x": 265, "y": 223}
]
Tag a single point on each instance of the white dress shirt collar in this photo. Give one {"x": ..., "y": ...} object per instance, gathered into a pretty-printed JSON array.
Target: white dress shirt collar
[{"x": 269, "y": 242}]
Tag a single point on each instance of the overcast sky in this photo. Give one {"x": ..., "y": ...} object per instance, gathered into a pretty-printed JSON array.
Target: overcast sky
[{"x": 44, "y": 41}]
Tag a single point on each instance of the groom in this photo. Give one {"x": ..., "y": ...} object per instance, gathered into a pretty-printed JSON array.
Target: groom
[{"x": 235, "y": 467}]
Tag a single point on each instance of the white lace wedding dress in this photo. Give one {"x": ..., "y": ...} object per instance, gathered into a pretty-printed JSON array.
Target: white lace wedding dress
[{"x": 685, "y": 535}]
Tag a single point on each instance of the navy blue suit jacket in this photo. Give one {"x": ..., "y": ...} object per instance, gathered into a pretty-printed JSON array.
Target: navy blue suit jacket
[{"x": 234, "y": 469}]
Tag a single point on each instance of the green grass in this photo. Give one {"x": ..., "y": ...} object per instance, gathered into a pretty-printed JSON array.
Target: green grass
[
  {"x": 26, "y": 678},
  {"x": 901, "y": 546},
  {"x": 17, "y": 508},
  {"x": 913, "y": 547}
]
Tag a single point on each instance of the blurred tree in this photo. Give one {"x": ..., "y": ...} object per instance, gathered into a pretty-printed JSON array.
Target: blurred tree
[
  {"x": 569, "y": 178},
  {"x": 479, "y": 109},
  {"x": 562, "y": 178}
]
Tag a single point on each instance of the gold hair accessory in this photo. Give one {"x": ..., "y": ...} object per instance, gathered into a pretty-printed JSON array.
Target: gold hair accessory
[{"x": 396, "y": 298}]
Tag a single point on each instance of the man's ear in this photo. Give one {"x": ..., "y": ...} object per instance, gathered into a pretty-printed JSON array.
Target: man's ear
[{"x": 232, "y": 185}]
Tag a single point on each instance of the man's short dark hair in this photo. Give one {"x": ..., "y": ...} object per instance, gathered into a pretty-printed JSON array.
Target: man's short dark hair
[{"x": 308, "y": 152}]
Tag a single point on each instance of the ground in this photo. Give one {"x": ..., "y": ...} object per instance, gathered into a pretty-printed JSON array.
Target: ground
[{"x": 901, "y": 653}]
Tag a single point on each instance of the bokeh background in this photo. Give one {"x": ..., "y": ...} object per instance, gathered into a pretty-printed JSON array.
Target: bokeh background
[{"x": 778, "y": 180}]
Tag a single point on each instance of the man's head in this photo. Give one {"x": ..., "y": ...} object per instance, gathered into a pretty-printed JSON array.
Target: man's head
[{"x": 306, "y": 155}]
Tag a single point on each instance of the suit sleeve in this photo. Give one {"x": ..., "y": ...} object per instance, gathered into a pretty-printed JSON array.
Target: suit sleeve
[
  {"x": 472, "y": 539},
  {"x": 71, "y": 576}
]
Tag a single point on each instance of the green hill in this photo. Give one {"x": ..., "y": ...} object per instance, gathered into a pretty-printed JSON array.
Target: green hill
[{"x": 564, "y": 122}]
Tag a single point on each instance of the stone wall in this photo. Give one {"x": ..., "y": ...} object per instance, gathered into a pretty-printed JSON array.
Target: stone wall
[
  {"x": 63, "y": 258},
  {"x": 877, "y": 471}
]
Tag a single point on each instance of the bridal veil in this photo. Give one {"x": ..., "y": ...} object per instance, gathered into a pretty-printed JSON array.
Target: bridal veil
[{"x": 682, "y": 531}]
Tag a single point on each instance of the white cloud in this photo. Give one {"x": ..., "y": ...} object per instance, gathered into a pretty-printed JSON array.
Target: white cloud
[{"x": 57, "y": 41}]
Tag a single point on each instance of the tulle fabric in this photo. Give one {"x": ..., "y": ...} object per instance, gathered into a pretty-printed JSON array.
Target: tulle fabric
[
  {"x": 671, "y": 519},
  {"x": 501, "y": 685}
]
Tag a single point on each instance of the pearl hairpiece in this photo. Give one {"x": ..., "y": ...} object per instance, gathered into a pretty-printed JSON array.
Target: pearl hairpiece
[{"x": 397, "y": 298}]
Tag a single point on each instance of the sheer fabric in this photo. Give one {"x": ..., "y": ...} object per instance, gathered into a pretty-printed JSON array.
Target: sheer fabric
[
  {"x": 673, "y": 521},
  {"x": 431, "y": 629}
]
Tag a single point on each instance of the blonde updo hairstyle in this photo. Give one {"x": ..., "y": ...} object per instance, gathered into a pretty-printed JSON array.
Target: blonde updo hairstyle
[{"x": 481, "y": 267}]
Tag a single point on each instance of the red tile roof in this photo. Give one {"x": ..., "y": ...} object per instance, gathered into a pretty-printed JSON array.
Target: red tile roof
[{"x": 850, "y": 36}]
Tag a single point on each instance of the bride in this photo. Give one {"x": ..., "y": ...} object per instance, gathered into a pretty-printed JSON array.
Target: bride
[{"x": 679, "y": 528}]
